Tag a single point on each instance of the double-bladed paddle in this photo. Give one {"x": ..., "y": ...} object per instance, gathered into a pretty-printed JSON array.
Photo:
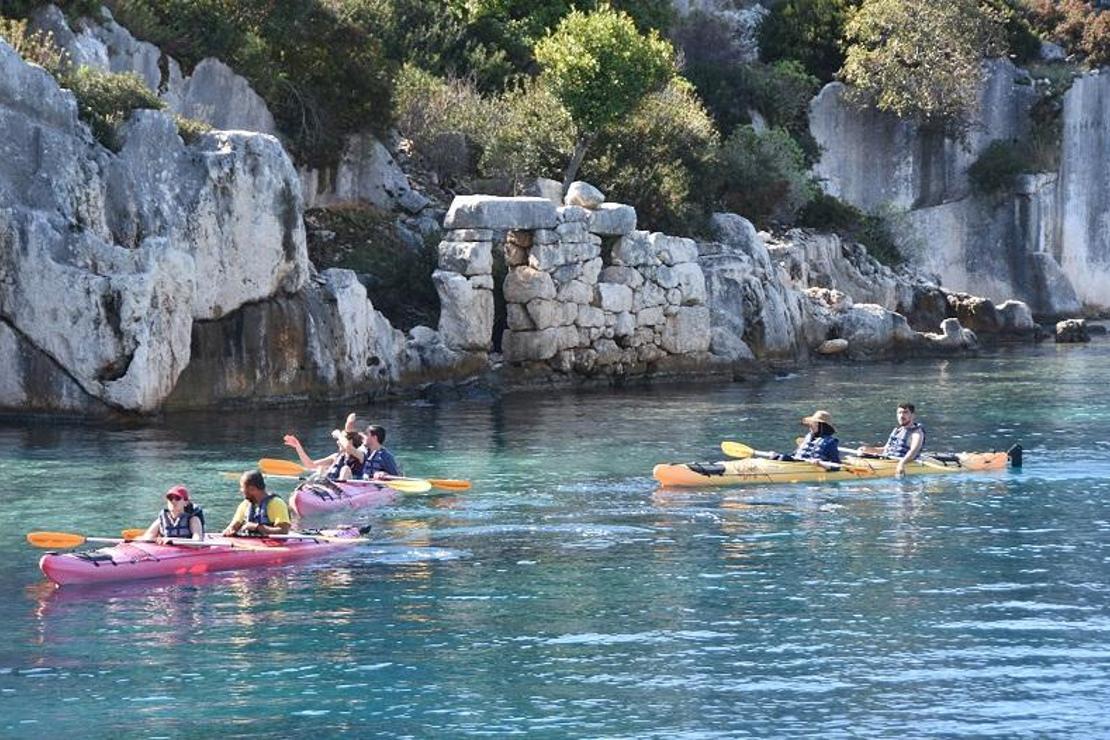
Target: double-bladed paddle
[
  {"x": 66, "y": 540},
  {"x": 277, "y": 467},
  {"x": 741, "y": 450}
]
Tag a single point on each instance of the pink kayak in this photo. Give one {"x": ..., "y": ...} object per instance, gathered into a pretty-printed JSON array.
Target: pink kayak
[
  {"x": 324, "y": 496},
  {"x": 128, "y": 561}
]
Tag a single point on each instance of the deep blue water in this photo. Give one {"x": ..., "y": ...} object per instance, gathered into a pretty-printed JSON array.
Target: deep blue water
[{"x": 565, "y": 596}]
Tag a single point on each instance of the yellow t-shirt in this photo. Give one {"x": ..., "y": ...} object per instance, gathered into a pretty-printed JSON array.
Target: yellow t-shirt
[{"x": 276, "y": 510}]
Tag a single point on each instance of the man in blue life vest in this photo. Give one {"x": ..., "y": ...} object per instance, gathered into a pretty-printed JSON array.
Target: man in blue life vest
[
  {"x": 905, "y": 441},
  {"x": 380, "y": 462},
  {"x": 260, "y": 512}
]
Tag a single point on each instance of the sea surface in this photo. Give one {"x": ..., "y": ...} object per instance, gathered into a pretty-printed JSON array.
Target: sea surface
[{"x": 565, "y": 595}]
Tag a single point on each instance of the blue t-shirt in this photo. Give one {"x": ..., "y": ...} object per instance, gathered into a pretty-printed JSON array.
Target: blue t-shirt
[{"x": 382, "y": 460}]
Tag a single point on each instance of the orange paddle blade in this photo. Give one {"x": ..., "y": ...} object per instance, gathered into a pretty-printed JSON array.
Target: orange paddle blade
[
  {"x": 273, "y": 466},
  {"x": 130, "y": 534},
  {"x": 55, "y": 540},
  {"x": 450, "y": 484}
]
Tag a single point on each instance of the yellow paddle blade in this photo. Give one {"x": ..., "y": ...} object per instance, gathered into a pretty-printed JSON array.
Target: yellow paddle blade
[
  {"x": 450, "y": 484},
  {"x": 130, "y": 534},
  {"x": 736, "y": 449},
  {"x": 407, "y": 485},
  {"x": 55, "y": 540},
  {"x": 273, "y": 466}
]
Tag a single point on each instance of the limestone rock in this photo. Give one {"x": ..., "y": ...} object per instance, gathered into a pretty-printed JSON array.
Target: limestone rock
[
  {"x": 673, "y": 250},
  {"x": 583, "y": 194},
  {"x": 635, "y": 250},
  {"x": 614, "y": 298},
  {"x": 832, "y": 347},
  {"x": 466, "y": 312},
  {"x": 468, "y": 258},
  {"x": 613, "y": 219},
  {"x": 492, "y": 212},
  {"x": 366, "y": 173},
  {"x": 216, "y": 95},
  {"x": 543, "y": 187},
  {"x": 1072, "y": 331},
  {"x": 523, "y": 284},
  {"x": 687, "y": 331}
]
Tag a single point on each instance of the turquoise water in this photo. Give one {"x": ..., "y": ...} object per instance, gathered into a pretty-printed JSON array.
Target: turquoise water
[{"x": 564, "y": 596}]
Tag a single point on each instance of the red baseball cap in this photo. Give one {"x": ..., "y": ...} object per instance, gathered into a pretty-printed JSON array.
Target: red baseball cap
[{"x": 180, "y": 492}]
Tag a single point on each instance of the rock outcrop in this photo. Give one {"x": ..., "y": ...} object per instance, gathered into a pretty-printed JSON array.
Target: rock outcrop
[
  {"x": 1047, "y": 242},
  {"x": 107, "y": 259}
]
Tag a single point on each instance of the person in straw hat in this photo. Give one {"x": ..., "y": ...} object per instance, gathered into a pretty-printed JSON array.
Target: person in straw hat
[{"x": 820, "y": 443}]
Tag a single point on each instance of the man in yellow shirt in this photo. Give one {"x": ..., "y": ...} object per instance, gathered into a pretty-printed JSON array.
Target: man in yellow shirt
[{"x": 260, "y": 512}]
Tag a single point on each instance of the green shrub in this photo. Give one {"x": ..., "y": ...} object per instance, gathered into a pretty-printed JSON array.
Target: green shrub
[
  {"x": 320, "y": 65},
  {"x": 995, "y": 169},
  {"x": 532, "y": 135},
  {"x": 764, "y": 176},
  {"x": 190, "y": 129},
  {"x": 808, "y": 31},
  {"x": 398, "y": 279},
  {"x": 37, "y": 47},
  {"x": 659, "y": 160},
  {"x": 106, "y": 99},
  {"x": 1022, "y": 43},
  {"x": 600, "y": 67},
  {"x": 827, "y": 213}
]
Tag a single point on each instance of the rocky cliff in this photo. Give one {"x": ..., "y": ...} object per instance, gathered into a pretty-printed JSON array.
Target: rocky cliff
[
  {"x": 174, "y": 275},
  {"x": 1045, "y": 242}
]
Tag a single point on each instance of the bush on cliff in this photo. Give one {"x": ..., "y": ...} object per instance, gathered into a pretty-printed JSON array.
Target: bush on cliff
[
  {"x": 921, "y": 61},
  {"x": 105, "y": 100},
  {"x": 600, "y": 67},
  {"x": 659, "y": 160},
  {"x": 828, "y": 213},
  {"x": 807, "y": 31},
  {"x": 1076, "y": 24},
  {"x": 763, "y": 176},
  {"x": 320, "y": 65},
  {"x": 398, "y": 279},
  {"x": 997, "y": 167},
  {"x": 461, "y": 134}
]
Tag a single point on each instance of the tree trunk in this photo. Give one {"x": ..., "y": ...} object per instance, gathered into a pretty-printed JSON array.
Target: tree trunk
[{"x": 576, "y": 158}]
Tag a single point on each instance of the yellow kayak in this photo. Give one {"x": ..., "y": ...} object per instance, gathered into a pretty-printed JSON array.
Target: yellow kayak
[{"x": 755, "y": 471}]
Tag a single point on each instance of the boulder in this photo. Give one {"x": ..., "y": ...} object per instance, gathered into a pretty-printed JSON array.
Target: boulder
[
  {"x": 1071, "y": 331},
  {"x": 832, "y": 347},
  {"x": 366, "y": 173},
  {"x": 672, "y": 250},
  {"x": 213, "y": 93},
  {"x": 544, "y": 187},
  {"x": 583, "y": 194}
]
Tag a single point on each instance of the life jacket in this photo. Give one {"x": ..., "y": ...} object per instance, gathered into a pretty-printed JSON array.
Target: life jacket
[
  {"x": 350, "y": 461},
  {"x": 818, "y": 448},
  {"x": 898, "y": 443},
  {"x": 258, "y": 514},
  {"x": 380, "y": 460},
  {"x": 169, "y": 527}
]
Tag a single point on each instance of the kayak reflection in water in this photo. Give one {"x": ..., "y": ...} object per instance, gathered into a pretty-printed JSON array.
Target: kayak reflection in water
[
  {"x": 260, "y": 512},
  {"x": 905, "y": 441},
  {"x": 820, "y": 443},
  {"x": 180, "y": 520}
]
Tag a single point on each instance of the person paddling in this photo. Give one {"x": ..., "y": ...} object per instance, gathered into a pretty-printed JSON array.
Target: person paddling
[
  {"x": 260, "y": 512},
  {"x": 348, "y": 462},
  {"x": 820, "y": 443},
  {"x": 905, "y": 441},
  {"x": 380, "y": 462},
  {"x": 180, "y": 520}
]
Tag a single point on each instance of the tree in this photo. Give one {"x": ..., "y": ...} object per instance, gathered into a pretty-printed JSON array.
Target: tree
[
  {"x": 921, "y": 60},
  {"x": 600, "y": 67},
  {"x": 808, "y": 31}
]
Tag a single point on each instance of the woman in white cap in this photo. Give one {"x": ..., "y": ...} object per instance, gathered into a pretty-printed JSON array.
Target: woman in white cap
[
  {"x": 180, "y": 520},
  {"x": 820, "y": 443}
]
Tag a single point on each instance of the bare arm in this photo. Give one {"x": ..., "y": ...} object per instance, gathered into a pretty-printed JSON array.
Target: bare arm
[
  {"x": 151, "y": 533},
  {"x": 917, "y": 439},
  {"x": 196, "y": 528},
  {"x": 306, "y": 461}
]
